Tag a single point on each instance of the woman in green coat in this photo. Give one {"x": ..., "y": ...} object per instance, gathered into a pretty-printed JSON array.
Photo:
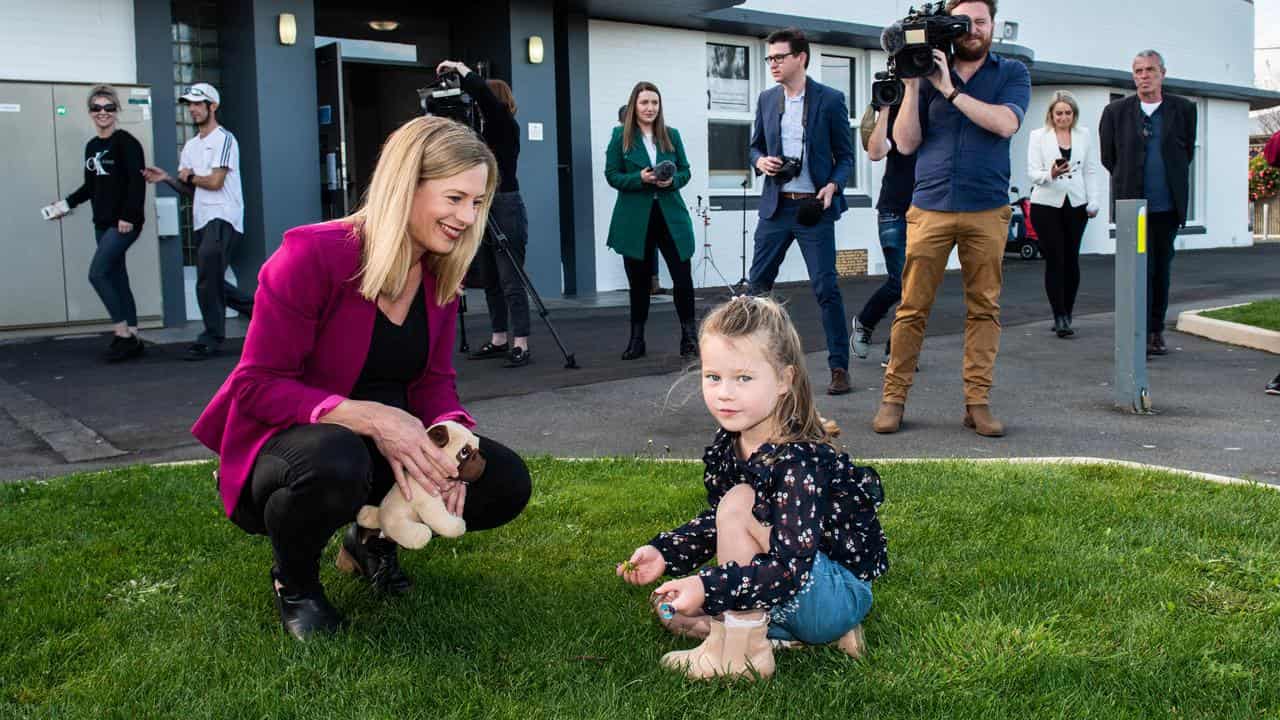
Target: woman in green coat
[{"x": 649, "y": 215}]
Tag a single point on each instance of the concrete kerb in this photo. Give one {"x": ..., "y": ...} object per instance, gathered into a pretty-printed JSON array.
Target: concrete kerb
[{"x": 1194, "y": 323}]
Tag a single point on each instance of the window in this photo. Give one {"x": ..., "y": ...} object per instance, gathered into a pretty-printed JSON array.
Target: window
[
  {"x": 729, "y": 115},
  {"x": 195, "y": 59},
  {"x": 1193, "y": 174},
  {"x": 841, "y": 73}
]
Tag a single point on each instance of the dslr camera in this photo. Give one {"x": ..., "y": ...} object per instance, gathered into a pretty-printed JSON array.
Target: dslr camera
[
  {"x": 446, "y": 98},
  {"x": 910, "y": 43},
  {"x": 789, "y": 171}
]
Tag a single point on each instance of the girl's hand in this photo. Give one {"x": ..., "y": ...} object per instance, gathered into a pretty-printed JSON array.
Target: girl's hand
[
  {"x": 646, "y": 566},
  {"x": 647, "y": 176},
  {"x": 685, "y": 595},
  {"x": 414, "y": 459}
]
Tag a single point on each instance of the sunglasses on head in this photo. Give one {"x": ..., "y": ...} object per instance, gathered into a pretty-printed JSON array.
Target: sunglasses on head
[{"x": 109, "y": 107}]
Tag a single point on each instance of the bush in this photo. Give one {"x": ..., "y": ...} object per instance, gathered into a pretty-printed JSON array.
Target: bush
[{"x": 1264, "y": 180}]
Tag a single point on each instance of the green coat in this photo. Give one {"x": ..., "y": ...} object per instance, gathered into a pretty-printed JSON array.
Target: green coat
[{"x": 630, "y": 223}]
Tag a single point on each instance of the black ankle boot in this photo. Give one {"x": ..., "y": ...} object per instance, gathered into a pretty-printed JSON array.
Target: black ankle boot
[
  {"x": 1061, "y": 326},
  {"x": 635, "y": 348},
  {"x": 305, "y": 613},
  {"x": 374, "y": 559},
  {"x": 688, "y": 340}
]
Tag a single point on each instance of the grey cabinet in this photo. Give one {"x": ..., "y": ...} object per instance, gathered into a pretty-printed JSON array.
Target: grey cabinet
[{"x": 44, "y": 266}]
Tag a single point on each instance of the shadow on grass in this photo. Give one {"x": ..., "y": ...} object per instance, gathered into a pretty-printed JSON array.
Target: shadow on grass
[{"x": 1013, "y": 592}]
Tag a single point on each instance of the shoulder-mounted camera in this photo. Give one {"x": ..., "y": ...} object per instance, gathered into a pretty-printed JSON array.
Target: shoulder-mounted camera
[{"x": 910, "y": 43}]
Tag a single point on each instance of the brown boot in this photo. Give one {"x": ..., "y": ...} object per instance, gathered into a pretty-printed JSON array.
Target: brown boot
[
  {"x": 736, "y": 651},
  {"x": 888, "y": 418},
  {"x": 839, "y": 382},
  {"x": 979, "y": 419}
]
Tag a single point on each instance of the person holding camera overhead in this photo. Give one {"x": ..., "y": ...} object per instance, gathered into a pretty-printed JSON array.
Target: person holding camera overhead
[
  {"x": 1063, "y": 166},
  {"x": 646, "y": 163},
  {"x": 958, "y": 124},
  {"x": 503, "y": 292},
  {"x": 801, "y": 142}
]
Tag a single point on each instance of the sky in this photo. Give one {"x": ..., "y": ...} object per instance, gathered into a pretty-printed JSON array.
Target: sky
[{"x": 1266, "y": 34}]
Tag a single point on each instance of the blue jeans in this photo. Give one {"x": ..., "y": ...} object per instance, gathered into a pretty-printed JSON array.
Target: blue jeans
[
  {"x": 831, "y": 603},
  {"x": 110, "y": 277},
  {"x": 893, "y": 242},
  {"x": 818, "y": 244}
]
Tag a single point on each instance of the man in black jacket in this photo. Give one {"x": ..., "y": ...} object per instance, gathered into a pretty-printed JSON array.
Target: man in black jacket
[{"x": 1148, "y": 140}]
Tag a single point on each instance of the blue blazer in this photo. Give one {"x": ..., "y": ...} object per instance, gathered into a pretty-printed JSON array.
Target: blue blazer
[{"x": 828, "y": 144}]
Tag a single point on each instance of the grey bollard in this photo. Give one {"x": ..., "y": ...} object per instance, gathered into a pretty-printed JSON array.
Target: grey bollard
[{"x": 1131, "y": 390}]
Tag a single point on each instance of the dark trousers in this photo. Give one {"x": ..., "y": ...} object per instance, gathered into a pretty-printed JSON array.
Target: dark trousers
[
  {"x": 1162, "y": 228},
  {"x": 504, "y": 293},
  {"x": 818, "y": 244},
  {"x": 310, "y": 480},
  {"x": 217, "y": 242},
  {"x": 1060, "y": 230},
  {"x": 109, "y": 275},
  {"x": 640, "y": 272},
  {"x": 893, "y": 243}
]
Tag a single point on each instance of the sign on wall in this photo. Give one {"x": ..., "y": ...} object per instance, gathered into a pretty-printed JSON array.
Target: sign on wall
[{"x": 728, "y": 80}]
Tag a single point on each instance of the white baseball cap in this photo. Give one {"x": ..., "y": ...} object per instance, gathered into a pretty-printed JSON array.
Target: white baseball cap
[{"x": 200, "y": 92}]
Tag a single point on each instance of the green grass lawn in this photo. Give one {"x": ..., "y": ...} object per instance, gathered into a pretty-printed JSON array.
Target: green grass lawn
[
  {"x": 1013, "y": 592},
  {"x": 1264, "y": 314}
]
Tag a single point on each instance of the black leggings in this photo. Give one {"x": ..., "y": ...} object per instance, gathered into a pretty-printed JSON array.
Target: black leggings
[
  {"x": 1060, "y": 231},
  {"x": 310, "y": 480},
  {"x": 640, "y": 271}
]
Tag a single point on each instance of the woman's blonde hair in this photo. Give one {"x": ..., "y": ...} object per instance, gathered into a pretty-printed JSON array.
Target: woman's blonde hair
[
  {"x": 425, "y": 148},
  {"x": 767, "y": 322},
  {"x": 1062, "y": 96},
  {"x": 105, "y": 91}
]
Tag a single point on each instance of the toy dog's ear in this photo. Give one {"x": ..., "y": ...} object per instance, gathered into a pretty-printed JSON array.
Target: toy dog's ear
[{"x": 439, "y": 435}]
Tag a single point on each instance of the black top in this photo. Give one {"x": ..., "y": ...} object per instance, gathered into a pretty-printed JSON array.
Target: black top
[
  {"x": 397, "y": 355},
  {"x": 812, "y": 498},
  {"x": 1066, "y": 152},
  {"x": 113, "y": 182},
  {"x": 501, "y": 131},
  {"x": 899, "y": 176}
]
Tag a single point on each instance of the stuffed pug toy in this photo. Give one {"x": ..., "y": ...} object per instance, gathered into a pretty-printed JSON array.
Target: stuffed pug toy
[{"x": 411, "y": 523}]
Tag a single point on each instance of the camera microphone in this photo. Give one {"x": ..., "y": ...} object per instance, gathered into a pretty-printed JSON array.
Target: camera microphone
[
  {"x": 810, "y": 213},
  {"x": 664, "y": 171}
]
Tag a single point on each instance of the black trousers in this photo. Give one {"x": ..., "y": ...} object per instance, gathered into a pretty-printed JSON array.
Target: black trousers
[
  {"x": 217, "y": 242},
  {"x": 310, "y": 480},
  {"x": 640, "y": 272},
  {"x": 503, "y": 292},
  {"x": 1060, "y": 231},
  {"x": 1162, "y": 229}
]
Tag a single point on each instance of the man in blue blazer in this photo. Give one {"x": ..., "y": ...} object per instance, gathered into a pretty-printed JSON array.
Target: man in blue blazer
[{"x": 803, "y": 144}]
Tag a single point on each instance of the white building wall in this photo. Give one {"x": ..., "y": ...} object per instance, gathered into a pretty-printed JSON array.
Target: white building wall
[
  {"x": 88, "y": 41},
  {"x": 1206, "y": 41}
]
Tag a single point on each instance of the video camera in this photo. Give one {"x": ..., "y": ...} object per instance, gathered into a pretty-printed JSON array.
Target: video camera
[
  {"x": 446, "y": 98},
  {"x": 910, "y": 43}
]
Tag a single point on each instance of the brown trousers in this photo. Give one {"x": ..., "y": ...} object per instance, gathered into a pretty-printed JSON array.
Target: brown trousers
[{"x": 980, "y": 237}]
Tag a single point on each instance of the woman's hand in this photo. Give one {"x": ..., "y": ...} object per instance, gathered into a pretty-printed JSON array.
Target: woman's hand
[
  {"x": 414, "y": 458},
  {"x": 647, "y": 176},
  {"x": 454, "y": 66},
  {"x": 124, "y": 227},
  {"x": 646, "y": 565},
  {"x": 455, "y": 497},
  {"x": 686, "y": 595},
  {"x": 1057, "y": 170},
  {"x": 664, "y": 183}
]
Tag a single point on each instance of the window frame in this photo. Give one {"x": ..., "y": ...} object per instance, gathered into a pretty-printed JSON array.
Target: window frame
[
  {"x": 861, "y": 88},
  {"x": 755, "y": 77}
]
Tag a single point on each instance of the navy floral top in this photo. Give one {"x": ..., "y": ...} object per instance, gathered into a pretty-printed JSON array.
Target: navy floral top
[{"x": 812, "y": 499}]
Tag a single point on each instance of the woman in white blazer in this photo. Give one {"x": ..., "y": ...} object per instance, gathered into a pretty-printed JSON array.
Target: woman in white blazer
[{"x": 1062, "y": 162}]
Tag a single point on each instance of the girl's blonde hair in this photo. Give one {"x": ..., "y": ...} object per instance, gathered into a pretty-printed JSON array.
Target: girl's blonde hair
[
  {"x": 425, "y": 148},
  {"x": 1062, "y": 96},
  {"x": 768, "y": 323}
]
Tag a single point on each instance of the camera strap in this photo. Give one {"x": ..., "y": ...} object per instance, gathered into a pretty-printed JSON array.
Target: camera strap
[{"x": 804, "y": 120}]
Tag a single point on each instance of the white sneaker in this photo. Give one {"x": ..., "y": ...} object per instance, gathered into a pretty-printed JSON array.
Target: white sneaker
[{"x": 860, "y": 342}]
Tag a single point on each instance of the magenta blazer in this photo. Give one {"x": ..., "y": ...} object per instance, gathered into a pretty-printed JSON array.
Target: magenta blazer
[{"x": 307, "y": 343}]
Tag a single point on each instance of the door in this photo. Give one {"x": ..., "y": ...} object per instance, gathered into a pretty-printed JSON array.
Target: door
[
  {"x": 334, "y": 200},
  {"x": 31, "y": 275},
  {"x": 73, "y": 127}
]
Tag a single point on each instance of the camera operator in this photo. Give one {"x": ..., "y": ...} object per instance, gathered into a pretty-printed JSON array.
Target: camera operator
[
  {"x": 503, "y": 292},
  {"x": 895, "y": 198},
  {"x": 961, "y": 199},
  {"x": 801, "y": 142}
]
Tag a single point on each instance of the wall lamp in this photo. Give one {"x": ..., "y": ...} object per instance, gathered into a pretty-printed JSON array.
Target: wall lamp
[
  {"x": 288, "y": 27},
  {"x": 535, "y": 50}
]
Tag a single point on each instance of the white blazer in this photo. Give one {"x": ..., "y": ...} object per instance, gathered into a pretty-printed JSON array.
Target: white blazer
[{"x": 1082, "y": 185}]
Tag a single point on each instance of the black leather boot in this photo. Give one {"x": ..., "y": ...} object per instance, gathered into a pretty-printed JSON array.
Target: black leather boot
[
  {"x": 305, "y": 613},
  {"x": 1061, "y": 326},
  {"x": 688, "y": 340},
  {"x": 374, "y": 559},
  {"x": 635, "y": 348}
]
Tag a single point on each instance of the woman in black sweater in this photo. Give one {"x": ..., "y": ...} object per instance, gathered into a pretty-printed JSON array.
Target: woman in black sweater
[
  {"x": 114, "y": 187},
  {"x": 503, "y": 292}
]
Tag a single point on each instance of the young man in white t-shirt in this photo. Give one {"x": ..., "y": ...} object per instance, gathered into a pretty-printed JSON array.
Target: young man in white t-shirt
[{"x": 209, "y": 170}]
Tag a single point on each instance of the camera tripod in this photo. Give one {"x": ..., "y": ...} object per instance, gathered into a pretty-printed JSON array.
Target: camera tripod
[
  {"x": 707, "y": 262},
  {"x": 743, "y": 284},
  {"x": 504, "y": 247}
]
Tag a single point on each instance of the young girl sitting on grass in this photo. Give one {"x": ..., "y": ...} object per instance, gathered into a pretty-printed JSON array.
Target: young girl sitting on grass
[{"x": 792, "y": 521}]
